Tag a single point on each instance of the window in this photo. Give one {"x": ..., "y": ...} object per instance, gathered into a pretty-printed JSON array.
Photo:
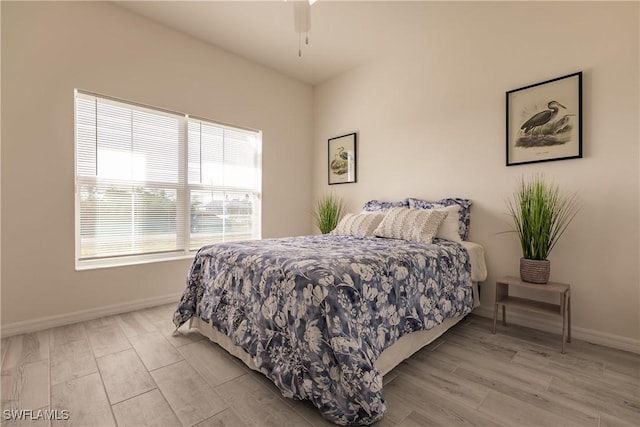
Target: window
[{"x": 154, "y": 185}]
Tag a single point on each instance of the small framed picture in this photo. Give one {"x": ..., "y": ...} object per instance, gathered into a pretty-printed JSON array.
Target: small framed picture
[
  {"x": 342, "y": 159},
  {"x": 544, "y": 121}
]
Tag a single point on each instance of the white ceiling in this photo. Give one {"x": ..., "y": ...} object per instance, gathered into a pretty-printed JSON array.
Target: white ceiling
[{"x": 343, "y": 35}]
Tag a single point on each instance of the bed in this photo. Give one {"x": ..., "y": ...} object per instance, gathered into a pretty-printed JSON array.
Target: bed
[{"x": 325, "y": 317}]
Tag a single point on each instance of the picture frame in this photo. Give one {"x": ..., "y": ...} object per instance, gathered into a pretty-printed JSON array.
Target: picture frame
[
  {"x": 544, "y": 121},
  {"x": 342, "y": 159}
]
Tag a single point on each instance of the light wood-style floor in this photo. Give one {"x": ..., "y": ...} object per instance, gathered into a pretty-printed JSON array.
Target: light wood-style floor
[{"x": 128, "y": 370}]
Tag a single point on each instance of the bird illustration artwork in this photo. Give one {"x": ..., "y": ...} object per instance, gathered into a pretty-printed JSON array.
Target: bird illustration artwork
[
  {"x": 541, "y": 129},
  {"x": 542, "y": 117},
  {"x": 340, "y": 163}
]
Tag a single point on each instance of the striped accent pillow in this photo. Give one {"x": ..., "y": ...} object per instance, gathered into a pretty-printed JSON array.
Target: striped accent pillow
[
  {"x": 464, "y": 215},
  {"x": 411, "y": 224},
  {"x": 359, "y": 225}
]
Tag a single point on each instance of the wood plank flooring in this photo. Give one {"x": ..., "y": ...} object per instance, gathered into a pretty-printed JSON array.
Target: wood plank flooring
[{"x": 128, "y": 370}]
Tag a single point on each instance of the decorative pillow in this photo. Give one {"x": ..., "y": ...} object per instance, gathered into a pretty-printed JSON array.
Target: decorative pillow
[
  {"x": 464, "y": 216},
  {"x": 378, "y": 206},
  {"x": 448, "y": 230},
  {"x": 359, "y": 225},
  {"x": 411, "y": 224}
]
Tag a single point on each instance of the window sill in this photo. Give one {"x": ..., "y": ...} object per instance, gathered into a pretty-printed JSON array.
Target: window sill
[{"x": 133, "y": 260}]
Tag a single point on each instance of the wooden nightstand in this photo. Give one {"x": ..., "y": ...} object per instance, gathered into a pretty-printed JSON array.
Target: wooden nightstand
[{"x": 563, "y": 309}]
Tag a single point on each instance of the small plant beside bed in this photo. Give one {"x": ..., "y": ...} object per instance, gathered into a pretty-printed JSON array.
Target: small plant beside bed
[
  {"x": 541, "y": 215},
  {"x": 328, "y": 212}
]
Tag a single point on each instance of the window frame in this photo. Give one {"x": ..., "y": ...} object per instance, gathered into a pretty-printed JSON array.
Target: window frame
[{"x": 183, "y": 191}]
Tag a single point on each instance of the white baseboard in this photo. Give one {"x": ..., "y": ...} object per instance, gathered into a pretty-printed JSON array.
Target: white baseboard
[
  {"x": 553, "y": 325},
  {"x": 42, "y": 323}
]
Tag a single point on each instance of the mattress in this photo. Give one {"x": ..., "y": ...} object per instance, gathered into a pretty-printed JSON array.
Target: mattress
[{"x": 477, "y": 260}]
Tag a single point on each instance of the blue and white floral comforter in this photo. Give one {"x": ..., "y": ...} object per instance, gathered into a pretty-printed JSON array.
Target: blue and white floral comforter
[{"x": 315, "y": 312}]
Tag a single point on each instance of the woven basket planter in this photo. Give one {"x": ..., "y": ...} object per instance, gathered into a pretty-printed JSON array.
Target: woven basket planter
[{"x": 535, "y": 271}]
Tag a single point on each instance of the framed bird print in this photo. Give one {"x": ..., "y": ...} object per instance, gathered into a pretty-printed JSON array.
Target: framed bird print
[
  {"x": 544, "y": 121},
  {"x": 342, "y": 159}
]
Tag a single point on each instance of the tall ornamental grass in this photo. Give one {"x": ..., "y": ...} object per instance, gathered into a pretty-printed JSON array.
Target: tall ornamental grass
[
  {"x": 541, "y": 215},
  {"x": 328, "y": 211}
]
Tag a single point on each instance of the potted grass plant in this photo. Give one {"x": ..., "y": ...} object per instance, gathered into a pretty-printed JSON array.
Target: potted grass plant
[
  {"x": 327, "y": 213},
  {"x": 541, "y": 215}
]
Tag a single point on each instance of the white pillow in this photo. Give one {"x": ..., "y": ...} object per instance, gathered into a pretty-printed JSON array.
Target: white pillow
[
  {"x": 359, "y": 225},
  {"x": 449, "y": 228},
  {"x": 411, "y": 224}
]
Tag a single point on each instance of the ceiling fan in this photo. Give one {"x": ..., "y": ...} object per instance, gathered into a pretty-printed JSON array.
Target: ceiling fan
[{"x": 302, "y": 21}]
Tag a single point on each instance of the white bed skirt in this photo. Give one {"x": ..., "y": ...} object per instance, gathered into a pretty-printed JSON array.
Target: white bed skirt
[{"x": 391, "y": 357}]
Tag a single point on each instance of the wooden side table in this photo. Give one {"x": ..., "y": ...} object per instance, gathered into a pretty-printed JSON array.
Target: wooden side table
[{"x": 563, "y": 309}]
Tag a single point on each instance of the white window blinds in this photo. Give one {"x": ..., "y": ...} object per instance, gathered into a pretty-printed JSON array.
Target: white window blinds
[
  {"x": 224, "y": 181},
  {"x": 156, "y": 184}
]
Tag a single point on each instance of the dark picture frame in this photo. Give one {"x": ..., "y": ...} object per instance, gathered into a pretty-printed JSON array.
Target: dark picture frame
[
  {"x": 544, "y": 121},
  {"x": 342, "y": 159}
]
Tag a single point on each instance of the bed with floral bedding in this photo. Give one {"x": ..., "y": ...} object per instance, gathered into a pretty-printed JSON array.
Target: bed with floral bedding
[{"x": 313, "y": 313}]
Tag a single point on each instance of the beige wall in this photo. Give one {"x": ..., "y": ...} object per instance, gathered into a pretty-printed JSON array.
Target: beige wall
[
  {"x": 431, "y": 122},
  {"x": 50, "y": 48}
]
